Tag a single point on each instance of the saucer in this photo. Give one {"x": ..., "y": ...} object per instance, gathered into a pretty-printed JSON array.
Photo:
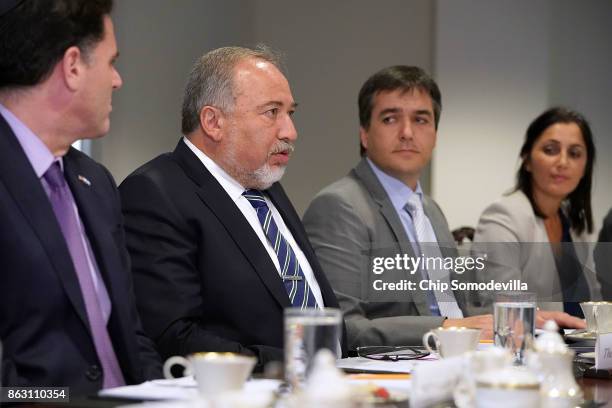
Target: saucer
[
  {"x": 582, "y": 336},
  {"x": 590, "y": 355}
]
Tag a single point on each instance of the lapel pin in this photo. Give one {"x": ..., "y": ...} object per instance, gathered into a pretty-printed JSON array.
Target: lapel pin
[{"x": 84, "y": 181}]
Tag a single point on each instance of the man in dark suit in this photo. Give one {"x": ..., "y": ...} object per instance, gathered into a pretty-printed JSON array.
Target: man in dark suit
[
  {"x": 200, "y": 220},
  {"x": 67, "y": 312}
]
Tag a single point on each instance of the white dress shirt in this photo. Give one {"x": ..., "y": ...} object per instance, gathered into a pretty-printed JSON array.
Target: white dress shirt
[{"x": 234, "y": 190}]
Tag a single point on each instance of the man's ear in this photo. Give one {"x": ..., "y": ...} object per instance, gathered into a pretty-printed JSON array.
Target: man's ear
[
  {"x": 363, "y": 137},
  {"x": 72, "y": 67},
  {"x": 212, "y": 121}
]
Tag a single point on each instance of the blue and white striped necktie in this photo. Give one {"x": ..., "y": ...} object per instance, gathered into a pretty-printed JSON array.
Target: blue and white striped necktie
[{"x": 291, "y": 272}]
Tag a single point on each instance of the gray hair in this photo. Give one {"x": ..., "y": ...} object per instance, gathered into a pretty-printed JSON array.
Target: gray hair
[{"x": 210, "y": 81}]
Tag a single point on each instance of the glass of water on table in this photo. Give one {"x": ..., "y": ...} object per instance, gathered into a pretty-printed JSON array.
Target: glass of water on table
[
  {"x": 514, "y": 322},
  {"x": 306, "y": 332}
]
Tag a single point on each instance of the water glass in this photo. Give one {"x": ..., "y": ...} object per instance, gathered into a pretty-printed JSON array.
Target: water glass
[
  {"x": 306, "y": 332},
  {"x": 514, "y": 322}
]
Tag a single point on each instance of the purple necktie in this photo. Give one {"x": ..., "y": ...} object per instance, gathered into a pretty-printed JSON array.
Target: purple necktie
[{"x": 63, "y": 206}]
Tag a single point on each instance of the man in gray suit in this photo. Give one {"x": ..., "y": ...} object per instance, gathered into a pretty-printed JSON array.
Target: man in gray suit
[{"x": 368, "y": 227}]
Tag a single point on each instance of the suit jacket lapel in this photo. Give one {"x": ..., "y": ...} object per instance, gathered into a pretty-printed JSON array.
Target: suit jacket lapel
[
  {"x": 27, "y": 191},
  {"x": 372, "y": 184},
  {"x": 217, "y": 200}
]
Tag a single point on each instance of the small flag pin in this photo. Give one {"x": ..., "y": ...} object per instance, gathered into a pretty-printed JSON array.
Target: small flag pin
[{"x": 84, "y": 181}]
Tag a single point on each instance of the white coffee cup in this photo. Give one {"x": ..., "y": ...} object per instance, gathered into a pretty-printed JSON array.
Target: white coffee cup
[
  {"x": 452, "y": 341},
  {"x": 215, "y": 373}
]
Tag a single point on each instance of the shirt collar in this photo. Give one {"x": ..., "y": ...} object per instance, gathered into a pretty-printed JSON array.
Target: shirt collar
[
  {"x": 398, "y": 192},
  {"x": 232, "y": 187},
  {"x": 39, "y": 156}
]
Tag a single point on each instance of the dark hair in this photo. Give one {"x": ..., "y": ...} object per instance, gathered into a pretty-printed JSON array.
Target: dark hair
[
  {"x": 578, "y": 201},
  {"x": 403, "y": 77},
  {"x": 34, "y": 34}
]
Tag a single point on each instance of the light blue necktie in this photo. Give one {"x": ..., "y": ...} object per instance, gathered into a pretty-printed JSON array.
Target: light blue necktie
[
  {"x": 295, "y": 282},
  {"x": 446, "y": 303}
]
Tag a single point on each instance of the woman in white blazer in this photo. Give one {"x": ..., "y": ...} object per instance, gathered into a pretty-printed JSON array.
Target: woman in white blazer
[{"x": 537, "y": 234}]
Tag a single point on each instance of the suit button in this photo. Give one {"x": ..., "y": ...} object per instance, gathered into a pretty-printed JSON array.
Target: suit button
[{"x": 93, "y": 373}]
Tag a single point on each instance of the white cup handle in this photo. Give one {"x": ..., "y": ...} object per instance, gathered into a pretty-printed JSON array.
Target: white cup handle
[
  {"x": 176, "y": 360},
  {"x": 426, "y": 337}
]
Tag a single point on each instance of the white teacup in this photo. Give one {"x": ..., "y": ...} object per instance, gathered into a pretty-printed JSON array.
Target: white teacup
[
  {"x": 452, "y": 341},
  {"x": 215, "y": 373},
  {"x": 598, "y": 316}
]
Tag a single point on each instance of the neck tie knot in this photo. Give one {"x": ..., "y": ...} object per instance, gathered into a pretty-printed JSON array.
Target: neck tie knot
[
  {"x": 54, "y": 176},
  {"x": 256, "y": 198},
  {"x": 414, "y": 205}
]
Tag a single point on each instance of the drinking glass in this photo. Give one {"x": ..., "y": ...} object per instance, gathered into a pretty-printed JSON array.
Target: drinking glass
[
  {"x": 514, "y": 322},
  {"x": 306, "y": 332}
]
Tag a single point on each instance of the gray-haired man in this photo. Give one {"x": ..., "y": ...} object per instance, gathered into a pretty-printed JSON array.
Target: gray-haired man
[{"x": 218, "y": 251}]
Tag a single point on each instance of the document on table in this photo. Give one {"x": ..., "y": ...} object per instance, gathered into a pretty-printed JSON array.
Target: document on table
[
  {"x": 184, "y": 388},
  {"x": 366, "y": 365}
]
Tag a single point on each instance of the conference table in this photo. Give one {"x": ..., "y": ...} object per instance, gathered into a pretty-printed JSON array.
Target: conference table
[{"x": 597, "y": 391}]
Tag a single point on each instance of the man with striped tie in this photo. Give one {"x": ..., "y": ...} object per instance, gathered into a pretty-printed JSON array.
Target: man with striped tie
[
  {"x": 218, "y": 250},
  {"x": 379, "y": 212}
]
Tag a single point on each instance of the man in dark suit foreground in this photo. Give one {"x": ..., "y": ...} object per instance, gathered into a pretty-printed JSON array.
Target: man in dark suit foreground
[
  {"x": 218, "y": 250},
  {"x": 67, "y": 314}
]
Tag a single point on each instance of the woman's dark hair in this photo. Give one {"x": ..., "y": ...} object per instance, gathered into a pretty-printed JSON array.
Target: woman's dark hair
[
  {"x": 578, "y": 202},
  {"x": 34, "y": 34}
]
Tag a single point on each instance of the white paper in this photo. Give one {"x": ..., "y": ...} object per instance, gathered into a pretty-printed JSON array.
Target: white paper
[
  {"x": 603, "y": 351},
  {"x": 151, "y": 390},
  {"x": 368, "y": 365},
  {"x": 184, "y": 388}
]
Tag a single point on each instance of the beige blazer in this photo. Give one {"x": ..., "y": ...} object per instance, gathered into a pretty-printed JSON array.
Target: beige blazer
[{"x": 517, "y": 247}]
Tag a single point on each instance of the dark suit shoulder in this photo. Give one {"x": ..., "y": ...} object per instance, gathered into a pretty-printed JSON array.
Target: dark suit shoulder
[
  {"x": 87, "y": 167},
  {"x": 162, "y": 174},
  {"x": 160, "y": 167}
]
